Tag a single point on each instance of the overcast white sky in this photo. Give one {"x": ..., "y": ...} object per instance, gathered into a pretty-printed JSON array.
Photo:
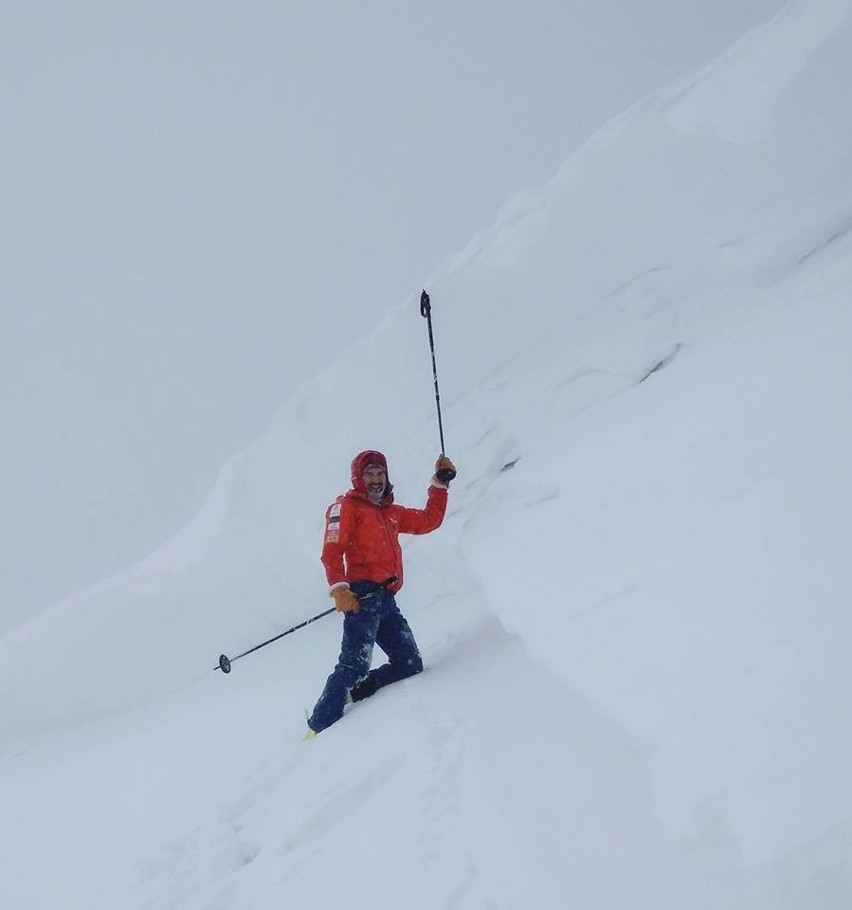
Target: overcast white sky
[{"x": 203, "y": 201}]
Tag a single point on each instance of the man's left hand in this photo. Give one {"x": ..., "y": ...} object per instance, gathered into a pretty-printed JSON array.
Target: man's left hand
[{"x": 445, "y": 470}]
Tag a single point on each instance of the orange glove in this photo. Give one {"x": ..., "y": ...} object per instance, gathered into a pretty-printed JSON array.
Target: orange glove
[
  {"x": 445, "y": 470},
  {"x": 345, "y": 600}
]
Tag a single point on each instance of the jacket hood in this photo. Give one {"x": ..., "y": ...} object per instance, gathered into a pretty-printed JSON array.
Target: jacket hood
[{"x": 359, "y": 462}]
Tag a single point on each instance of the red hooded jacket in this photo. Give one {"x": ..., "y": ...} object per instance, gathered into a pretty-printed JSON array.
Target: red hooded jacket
[{"x": 361, "y": 540}]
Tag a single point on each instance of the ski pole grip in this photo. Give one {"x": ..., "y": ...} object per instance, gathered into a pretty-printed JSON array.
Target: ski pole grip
[{"x": 425, "y": 305}]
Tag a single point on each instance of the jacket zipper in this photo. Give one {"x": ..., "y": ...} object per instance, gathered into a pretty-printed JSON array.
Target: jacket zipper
[{"x": 390, "y": 538}]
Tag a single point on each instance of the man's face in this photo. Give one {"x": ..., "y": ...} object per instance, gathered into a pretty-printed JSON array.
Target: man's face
[{"x": 375, "y": 479}]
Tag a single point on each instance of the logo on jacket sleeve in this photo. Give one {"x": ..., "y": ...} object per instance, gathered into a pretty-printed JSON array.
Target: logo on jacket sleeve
[{"x": 332, "y": 528}]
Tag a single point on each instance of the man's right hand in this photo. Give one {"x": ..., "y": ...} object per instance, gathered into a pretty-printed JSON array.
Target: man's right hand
[{"x": 345, "y": 600}]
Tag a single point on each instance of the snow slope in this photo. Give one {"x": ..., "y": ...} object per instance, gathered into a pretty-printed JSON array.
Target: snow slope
[{"x": 633, "y": 619}]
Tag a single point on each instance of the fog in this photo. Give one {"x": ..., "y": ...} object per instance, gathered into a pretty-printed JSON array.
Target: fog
[{"x": 204, "y": 202}]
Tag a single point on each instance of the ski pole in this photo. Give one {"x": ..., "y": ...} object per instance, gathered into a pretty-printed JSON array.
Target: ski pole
[
  {"x": 225, "y": 662},
  {"x": 445, "y": 475}
]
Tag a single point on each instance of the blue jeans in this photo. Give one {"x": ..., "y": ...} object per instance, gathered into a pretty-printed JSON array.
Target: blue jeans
[{"x": 378, "y": 622}]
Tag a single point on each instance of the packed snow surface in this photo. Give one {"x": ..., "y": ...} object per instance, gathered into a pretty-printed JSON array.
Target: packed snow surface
[{"x": 635, "y": 618}]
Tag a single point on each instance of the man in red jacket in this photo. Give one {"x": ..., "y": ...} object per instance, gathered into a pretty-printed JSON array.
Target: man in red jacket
[{"x": 363, "y": 564}]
